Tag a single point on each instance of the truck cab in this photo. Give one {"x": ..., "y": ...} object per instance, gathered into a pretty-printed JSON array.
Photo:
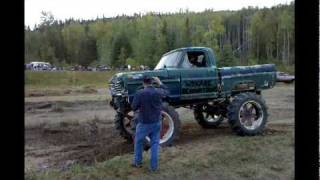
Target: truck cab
[{"x": 194, "y": 70}]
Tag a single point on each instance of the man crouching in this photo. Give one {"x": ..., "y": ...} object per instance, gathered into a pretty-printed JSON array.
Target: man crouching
[{"x": 149, "y": 103}]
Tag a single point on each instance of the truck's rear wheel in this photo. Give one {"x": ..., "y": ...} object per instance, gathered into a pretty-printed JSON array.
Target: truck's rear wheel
[
  {"x": 169, "y": 127},
  {"x": 206, "y": 117},
  {"x": 247, "y": 114}
]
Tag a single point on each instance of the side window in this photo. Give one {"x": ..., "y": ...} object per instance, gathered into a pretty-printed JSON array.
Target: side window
[
  {"x": 171, "y": 60},
  {"x": 194, "y": 59},
  {"x": 201, "y": 60},
  {"x": 185, "y": 62}
]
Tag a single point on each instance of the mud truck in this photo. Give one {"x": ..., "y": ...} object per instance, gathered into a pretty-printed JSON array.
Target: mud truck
[{"x": 194, "y": 81}]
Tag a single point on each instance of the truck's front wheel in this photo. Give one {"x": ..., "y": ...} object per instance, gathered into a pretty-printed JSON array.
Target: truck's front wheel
[
  {"x": 247, "y": 114},
  {"x": 124, "y": 125},
  {"x": 170, "y": 125}
]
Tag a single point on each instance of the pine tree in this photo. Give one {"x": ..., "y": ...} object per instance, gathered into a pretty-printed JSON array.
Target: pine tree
[{"x": 226, "y": 57}]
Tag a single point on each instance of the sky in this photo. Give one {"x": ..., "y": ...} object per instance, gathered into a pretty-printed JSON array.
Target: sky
[{"x": 90, "y": 9}]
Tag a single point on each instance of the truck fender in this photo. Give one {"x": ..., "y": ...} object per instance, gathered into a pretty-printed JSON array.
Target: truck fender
[{"x": 244, "y": 86}]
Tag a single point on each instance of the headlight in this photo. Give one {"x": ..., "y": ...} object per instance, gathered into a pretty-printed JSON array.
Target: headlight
[{"x": 135, "y": 76}]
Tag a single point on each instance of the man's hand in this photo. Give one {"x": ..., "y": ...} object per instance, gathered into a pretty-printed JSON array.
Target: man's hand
[{"x": 157, "y": 80}]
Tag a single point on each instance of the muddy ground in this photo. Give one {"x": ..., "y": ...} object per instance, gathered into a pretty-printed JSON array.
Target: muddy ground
[{"x": 63, "y": 130}]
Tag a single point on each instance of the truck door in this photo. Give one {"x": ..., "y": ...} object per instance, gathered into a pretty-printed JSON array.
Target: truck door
[
  {"x": 198, "y": 77},
  {"x": 169, "y": 64}
]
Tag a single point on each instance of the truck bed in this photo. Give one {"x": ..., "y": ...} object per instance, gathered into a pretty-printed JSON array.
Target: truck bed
[{"x": 256, "y": 77}]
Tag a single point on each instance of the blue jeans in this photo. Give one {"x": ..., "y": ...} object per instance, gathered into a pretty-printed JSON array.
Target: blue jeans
[{"x": 153, "y": 132}]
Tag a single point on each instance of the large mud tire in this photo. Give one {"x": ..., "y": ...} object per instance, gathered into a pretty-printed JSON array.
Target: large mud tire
[
  {"x": 120, "y": 127},
  {"x": 174, "y": 118},
  {"x": 206, "y": 120},
  {"x": 176, "y": 124},
  {"x": 247, "y": 114},
  {"x": 169, "y": 115}
]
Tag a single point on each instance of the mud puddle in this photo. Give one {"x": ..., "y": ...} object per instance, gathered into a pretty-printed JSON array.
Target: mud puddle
[{"x": 61, "y": 145}]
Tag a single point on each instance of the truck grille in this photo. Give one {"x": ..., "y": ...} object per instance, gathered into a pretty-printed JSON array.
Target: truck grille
[{"x": 115, "y": 88}]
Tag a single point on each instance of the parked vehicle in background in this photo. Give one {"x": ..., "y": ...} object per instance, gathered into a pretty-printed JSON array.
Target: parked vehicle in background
[
  {"x": 80, "y": 68},
  {"x": 284, "y": 77},
  {"x": 39, "y": 66},
  {"x": 123, "y": 68},
  {"x": 103, "y": 68},
  {"x": 87, "y": 68},
  {"x": 28, "y": 67}
]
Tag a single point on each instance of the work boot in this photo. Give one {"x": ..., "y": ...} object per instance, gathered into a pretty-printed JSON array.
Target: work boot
[
  {"x": 136, "y": 165},
  {"x": 154, "y": 170}
]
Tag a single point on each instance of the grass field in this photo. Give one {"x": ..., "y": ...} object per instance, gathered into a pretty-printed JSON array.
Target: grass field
[
  {"x": 34, "y": 79},
  {"x": 67, "y": 82}
]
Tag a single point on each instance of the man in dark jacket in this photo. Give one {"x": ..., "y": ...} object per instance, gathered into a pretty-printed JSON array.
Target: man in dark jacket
[{"x": 149, "y": 103}]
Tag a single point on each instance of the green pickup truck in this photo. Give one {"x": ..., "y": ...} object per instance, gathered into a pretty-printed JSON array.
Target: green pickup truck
[{"x": 194, "y": 81}]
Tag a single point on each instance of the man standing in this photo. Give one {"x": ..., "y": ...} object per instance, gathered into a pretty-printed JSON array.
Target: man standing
[{"x": 149, "y": 103}]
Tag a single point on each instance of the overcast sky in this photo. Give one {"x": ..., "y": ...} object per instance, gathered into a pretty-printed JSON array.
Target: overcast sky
[{"x": 90, "y": 9}]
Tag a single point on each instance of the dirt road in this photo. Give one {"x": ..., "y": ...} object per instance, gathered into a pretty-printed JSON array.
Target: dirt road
[{"x": 63, "y": 130}]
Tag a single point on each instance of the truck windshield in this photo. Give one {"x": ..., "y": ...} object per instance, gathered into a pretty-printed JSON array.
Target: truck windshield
[{"x": 168, "y": 61}]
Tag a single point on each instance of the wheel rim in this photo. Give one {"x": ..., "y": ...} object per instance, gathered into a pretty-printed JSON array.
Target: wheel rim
[
  {"x": 167, "y": 128},
  {"x": 167, "y": 125},
  {"x": 251, "y": 115},
  {"x": 209, "y": 116}
]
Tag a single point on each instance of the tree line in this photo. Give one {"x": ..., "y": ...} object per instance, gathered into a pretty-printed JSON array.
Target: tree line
[{"x": 248, "y": 36}]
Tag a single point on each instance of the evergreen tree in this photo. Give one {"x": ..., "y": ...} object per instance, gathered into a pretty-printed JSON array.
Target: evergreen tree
[
  {"x": 226, "y": 57},
  {"x": 253, "y": 35}
]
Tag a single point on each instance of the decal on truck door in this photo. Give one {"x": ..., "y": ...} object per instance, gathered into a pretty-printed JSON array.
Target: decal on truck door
[
  {"x": 197, "y": 86},
  {"x": 198, "y": 79}
]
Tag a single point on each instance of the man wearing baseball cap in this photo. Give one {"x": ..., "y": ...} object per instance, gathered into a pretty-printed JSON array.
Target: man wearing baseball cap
[{"x": 149, "y": 103}]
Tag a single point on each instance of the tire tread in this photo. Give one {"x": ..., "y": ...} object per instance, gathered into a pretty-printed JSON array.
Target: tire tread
[{"x": 233, "y": 110}]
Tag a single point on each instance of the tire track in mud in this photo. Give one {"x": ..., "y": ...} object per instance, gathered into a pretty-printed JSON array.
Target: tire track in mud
[
  {"x": 86, "y": 143},
  {"x": 192, "y": 132},
  {"x": 57, "y": 143},
  {"x": 64, "y": 144}
]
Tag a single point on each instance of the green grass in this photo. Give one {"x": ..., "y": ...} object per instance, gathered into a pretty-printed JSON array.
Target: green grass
[
  {"x": 221, "y": 157},
  {"x": 66, "y": 79},
  {"x": 65, "y": 83}
]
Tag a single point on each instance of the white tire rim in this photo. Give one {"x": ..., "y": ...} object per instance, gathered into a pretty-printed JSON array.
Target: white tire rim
[
  {"x": 166, "y": 118},
  {"x": 251, "y": 115}
]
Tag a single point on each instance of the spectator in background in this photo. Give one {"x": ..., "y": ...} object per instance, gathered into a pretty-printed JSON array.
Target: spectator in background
[{"x": 141, "y": 67}]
